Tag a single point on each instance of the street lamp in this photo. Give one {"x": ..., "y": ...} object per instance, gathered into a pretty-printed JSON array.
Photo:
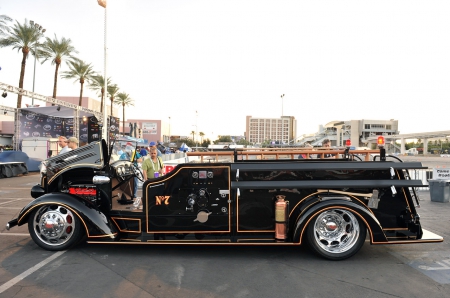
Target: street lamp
[
  {"x": 194, "y": 139},
  {"x": 282, "y": 114},
  {"x": 196, "y": 128},
  {"x": 169, "y": 131},
  {"x": 40, "y": 32}
]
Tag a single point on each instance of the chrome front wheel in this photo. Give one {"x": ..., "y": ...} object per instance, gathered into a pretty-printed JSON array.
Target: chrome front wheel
[
  {"x": 54, "y": 227},
  {"x": 336, "y": 234}
]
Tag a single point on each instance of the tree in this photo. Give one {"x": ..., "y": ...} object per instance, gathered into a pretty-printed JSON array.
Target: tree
[
  {"x": 22, "y": 37},
  {"x": 56, "y": 50},
  {"x": 193, "y": 134},
  {"x": 113, "y": 89},
  {"x": 201, "y": 134},
  {"x": 225, "y": 139},
  {"x": 188, "y": 142},
  {"x": 205, "y": 143},
  {"x": 81, "y": 72},
  {"x": 3, "y": 27},
  {"x": 243, "y": 142},
  {"x": 98, "y": 84},
  {"x": 123, "y": 99}
]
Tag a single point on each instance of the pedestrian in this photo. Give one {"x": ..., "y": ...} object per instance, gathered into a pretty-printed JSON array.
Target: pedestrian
[
  {"x": 326, "y": 144},
  {"x": 152, "y": 165},
  {"x": 153, "y": 144},
  {"x": 73, "y": 143},
  {"x": 62, "y": 142},
  {"x": 137, "y": 160},
  {"x": 143, "y": 152}
]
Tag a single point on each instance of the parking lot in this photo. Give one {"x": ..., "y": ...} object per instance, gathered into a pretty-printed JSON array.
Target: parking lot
[{"x": 178, "y": 271}]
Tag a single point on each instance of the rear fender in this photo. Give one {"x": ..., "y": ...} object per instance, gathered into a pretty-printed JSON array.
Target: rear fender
[
  {"x": 94, "y": 221},
  {"x": 373, "y": 226}
]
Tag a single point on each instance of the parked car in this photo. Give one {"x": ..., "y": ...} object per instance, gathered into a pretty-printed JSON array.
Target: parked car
[{"x": 331, "y": 204}]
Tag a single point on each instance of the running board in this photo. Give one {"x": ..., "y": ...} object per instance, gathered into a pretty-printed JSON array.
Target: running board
[{"x": 427, "y": 237}]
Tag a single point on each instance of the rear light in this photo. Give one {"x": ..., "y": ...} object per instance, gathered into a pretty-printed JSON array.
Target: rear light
[
  {"x": 348, "y": 143},
  {"x": 380, "y": 141}
]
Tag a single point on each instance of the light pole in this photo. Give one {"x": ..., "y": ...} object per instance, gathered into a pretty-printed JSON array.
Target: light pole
[
  {"x": 282, "y": 99},
  {"x": 105, "y": 134},
  {"x": 196, "y": 128},
  {"x": 194, "y": 138},
  {"x": 169, "y": 131},
  {"x": 40, "y": 32},
  {"x": 282, "y": 114}
]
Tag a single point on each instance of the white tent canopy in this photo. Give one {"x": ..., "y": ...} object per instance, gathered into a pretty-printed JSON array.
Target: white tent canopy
[{"x": 52, "y": 111}]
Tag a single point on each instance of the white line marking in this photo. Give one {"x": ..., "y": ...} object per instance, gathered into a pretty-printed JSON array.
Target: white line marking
[
  {"x": 7, "y": 202},
  {"x": 36, "y": 267},
  {"x": 14, "y": 234},
  {"x": 445, "y": 266},
  {"x": 15, "y": 208}
]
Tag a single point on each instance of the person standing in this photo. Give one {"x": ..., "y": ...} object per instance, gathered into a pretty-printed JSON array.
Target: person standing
[
  {"x": 143, "y": 152},
  {"x": 152, "y": 165},
  {"x": 136, "y": 158},
  {"x": 62, "y": 142},
  {"x": 72, "y": 143},
  {"x": 327, "y": 144},
  {"x": 153, "y": 145}
]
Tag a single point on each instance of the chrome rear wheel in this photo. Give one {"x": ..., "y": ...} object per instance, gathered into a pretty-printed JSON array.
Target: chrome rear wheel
[{"x": 336, "y": 234}]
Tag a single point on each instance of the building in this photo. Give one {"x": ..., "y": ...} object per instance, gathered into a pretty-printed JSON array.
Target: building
[
  {"x": 151, "y": 130},
  {"x": 357, "y": 131},
  {"x": 282, "y": 130}
]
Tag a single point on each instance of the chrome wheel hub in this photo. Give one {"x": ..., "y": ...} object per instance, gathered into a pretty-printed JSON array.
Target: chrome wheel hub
[
  {"x": 336, "y": 231},
  {"x": 54, "y": 225}
]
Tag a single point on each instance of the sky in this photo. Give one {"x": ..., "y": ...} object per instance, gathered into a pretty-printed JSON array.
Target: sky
[{"x": 208, "y": 64}]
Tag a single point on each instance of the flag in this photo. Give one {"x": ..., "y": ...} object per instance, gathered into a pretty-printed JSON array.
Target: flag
[{"x": 102, "y": 3}]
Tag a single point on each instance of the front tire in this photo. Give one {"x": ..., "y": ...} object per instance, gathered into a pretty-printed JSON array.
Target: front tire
[
  {"x": 336, "y": 234},
  {"x": 54, "y": 227}
]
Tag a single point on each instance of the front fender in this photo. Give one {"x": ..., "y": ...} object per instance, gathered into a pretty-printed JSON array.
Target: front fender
[
  {"x": 95, "y": 222},
  {"x": 373, "y": 226}
]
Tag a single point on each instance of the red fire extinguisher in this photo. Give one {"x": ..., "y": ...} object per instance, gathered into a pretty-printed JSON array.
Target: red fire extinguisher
[{"x": 281, "y": 218}]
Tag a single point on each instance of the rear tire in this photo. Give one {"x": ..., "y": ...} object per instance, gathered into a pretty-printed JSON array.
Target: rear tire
[
  {"x": 54, "y": 227},
  {"x": 336, "y": 234}
]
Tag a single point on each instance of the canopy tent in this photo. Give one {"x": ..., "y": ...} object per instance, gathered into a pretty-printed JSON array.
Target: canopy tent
[
  {"x": 53, "y": 111},
  {"x": 135, "y": 141}
]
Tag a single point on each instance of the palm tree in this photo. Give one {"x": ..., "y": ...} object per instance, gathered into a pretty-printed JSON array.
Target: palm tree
[
  {"x": 124, "y": 100},
  {"x": 22, "y": 37},
  {"x": 56, "y": 50},
  {"x": 112, "y": 91},
  {"x": 98, "y": 84},
  {"x": 193, "y": 133},
  {"x": 201, "y": 134},
  {"x": 80, "y": 71},
  {"x": 3, "y": 20}
]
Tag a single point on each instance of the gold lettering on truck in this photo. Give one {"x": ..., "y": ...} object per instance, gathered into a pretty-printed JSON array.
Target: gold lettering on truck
[{"x": 162, "y": 199}]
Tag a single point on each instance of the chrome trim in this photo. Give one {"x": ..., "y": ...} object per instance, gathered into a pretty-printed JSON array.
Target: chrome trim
[{"x": 100, "y": 180}]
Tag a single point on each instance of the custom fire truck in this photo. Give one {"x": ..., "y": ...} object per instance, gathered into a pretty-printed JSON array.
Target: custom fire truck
[{"x": 331, "y": 204}]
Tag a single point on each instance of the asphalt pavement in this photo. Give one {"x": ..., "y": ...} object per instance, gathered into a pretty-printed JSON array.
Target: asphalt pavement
[{"x": 88, "y": 270}]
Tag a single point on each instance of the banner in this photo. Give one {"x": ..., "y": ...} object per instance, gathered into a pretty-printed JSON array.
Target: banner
[
  {"x": 38, "y": 125},
  {"x": 114, "y": 124},
  {"x": 93, "y": 130}
]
